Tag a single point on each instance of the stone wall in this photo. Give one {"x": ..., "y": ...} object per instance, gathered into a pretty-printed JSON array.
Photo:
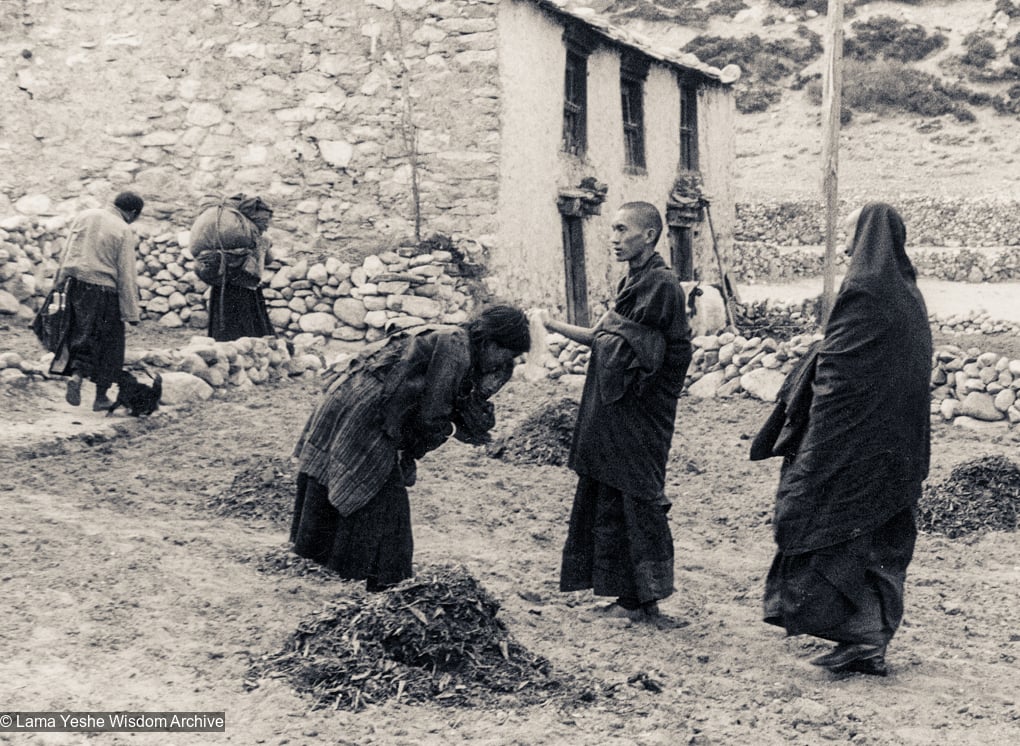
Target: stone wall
[
  {"x": 347, "y": 301},
  {"x": 965, "y": 240},
  {"x": 971, "y": 388},
  {"x": 363, "y": 122},
  {"x": 761, "y": 262},
  {"x": 972, "y": 222}
]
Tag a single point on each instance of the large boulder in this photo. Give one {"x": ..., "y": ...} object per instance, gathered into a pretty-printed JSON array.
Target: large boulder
[
  {"x": 762, "y": 383},
  {"x": 706, "y": 386},
  {"x": 980, "y": 406},
  {"x": 180, "y": 388}
]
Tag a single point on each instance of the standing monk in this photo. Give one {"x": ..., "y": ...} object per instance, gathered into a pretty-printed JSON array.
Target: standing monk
[
  {"x": 619, "y": 542},
  {"x": 98, "y": 267},
  {"x": 852, "y": 469}
]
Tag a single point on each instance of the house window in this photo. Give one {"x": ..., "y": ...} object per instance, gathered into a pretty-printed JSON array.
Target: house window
[
  {"x": 633, "y": 71},
  {"x": 575, "y": 98},
  {"x": 688, "y": 126}
]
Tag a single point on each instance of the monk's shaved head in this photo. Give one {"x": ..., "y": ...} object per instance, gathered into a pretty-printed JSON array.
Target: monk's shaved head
[{"x": 647, "y": 216}]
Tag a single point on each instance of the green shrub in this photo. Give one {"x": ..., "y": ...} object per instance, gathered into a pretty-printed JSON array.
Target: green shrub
[
  {"x": 1011, "y": 9},
  {"x": 682, "y": 12},
  {"x": 891, "y": 38},
  {"x": 757, "y": 97},
  {"x": 821, "y": 6},
  {"x": 760, "y": 60},
  {"x": 763, "y": 62}
]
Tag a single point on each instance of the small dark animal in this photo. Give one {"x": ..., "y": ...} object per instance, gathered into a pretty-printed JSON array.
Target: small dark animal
[{"x": 136, "y": 397}]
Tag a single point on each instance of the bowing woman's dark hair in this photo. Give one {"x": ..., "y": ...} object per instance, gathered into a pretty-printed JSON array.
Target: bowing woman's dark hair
[{"x": 505, "y": 325}]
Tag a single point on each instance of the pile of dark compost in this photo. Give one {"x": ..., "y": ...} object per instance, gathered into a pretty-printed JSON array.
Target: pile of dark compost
[
  {"x": 263, "y": 491},
  {"x": 433, "y": 638},
  {"x": 543, "y": 438},
  {"x": 978, "y": 496},
  {"x": 282, "y": 561}
]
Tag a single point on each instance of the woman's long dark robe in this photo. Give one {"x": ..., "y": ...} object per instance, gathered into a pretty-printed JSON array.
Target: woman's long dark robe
[
  {"x": 236, "y": 312},
  {"x": 844, "y": 515},
  {"x": 91, "y": 340}
]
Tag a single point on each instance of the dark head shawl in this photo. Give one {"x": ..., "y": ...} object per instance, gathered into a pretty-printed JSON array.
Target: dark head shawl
[{"x": 879, "y": 257}]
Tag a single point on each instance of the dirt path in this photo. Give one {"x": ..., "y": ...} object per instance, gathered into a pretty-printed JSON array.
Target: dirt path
[{"x": 124, "y": 590}]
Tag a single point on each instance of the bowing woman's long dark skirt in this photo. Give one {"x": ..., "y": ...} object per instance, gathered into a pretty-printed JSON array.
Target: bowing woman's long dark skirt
[{"x": 374, "y": 543}]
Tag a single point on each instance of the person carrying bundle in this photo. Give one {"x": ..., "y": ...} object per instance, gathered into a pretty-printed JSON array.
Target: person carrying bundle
[{"x": 229, "y": 246}]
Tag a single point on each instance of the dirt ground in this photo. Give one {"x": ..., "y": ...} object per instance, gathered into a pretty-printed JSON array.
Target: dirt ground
[{"x": 125, "y": 590}]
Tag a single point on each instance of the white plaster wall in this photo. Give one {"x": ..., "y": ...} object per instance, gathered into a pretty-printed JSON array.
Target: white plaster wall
[
  {"x": 717, "y": 154},
  {"x": 662, "y": 153},
  {"x": 526, "y": 262}
]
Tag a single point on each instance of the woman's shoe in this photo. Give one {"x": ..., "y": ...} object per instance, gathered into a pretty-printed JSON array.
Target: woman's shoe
[
  {"x": 101, "y": 404},
  {"x": 845, "y": 657}
]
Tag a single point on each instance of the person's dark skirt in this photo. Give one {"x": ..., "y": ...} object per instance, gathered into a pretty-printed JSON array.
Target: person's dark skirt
[
  {"x": 236, "y": 312},
  {"x": 851, "y": 592},
  {"x": 92, "y": 338},
  {"x": 374, "y": 543},
  {"x": 617, "y": 545}
]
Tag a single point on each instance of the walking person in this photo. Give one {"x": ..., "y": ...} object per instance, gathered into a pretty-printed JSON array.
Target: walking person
[
  {"x": 854, "y": 463},
  {"x": 392, "y": 404},
  {"x": 100, "y": 281},
  {"x": 230, "y": 248},
  {"x": 619, "y": 542}
]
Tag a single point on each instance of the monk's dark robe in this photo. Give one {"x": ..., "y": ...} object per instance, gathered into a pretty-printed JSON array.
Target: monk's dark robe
[
  {"x": 619, "y": 542},
  {"x": 844, "y": 514}
]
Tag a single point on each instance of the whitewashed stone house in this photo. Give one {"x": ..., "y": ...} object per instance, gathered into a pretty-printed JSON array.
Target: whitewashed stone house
[
  {"x": 585, "y": 107},
  {"x": 370, "y": 124}
]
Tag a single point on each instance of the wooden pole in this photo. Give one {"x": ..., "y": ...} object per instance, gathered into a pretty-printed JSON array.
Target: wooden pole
[{"x": 832, "y": 99}]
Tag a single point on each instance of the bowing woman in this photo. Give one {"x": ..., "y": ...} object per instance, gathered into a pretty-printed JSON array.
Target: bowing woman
[{"x": 390, "y": 405}]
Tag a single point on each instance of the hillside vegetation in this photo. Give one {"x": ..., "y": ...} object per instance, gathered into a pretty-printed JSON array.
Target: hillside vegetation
[{"x": 931, "y": 91}]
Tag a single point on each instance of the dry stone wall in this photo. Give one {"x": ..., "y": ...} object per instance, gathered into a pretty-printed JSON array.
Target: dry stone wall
[
  {"x": 973, "y": 389},
  {"x": 965, "y": 240},
  {"x": 352, "y": 302},
  {"x": 363, "y": 122}
]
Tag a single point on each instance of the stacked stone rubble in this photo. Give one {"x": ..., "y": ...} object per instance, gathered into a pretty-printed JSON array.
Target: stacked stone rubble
[
  {"x": 968, "y": 387},
  {"x": 330, "y": 298}
]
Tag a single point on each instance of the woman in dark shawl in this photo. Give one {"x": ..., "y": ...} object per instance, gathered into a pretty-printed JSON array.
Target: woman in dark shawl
[
  {"x": 389, "y": 406},
  {"x": 848, "y": 491}
]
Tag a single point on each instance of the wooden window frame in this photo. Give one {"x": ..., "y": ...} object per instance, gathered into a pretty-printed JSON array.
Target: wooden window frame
[
  {"x": 633, "y": 72},
  {"x": 688, "y": 125},
  {"x": 575, "y": 101}
]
